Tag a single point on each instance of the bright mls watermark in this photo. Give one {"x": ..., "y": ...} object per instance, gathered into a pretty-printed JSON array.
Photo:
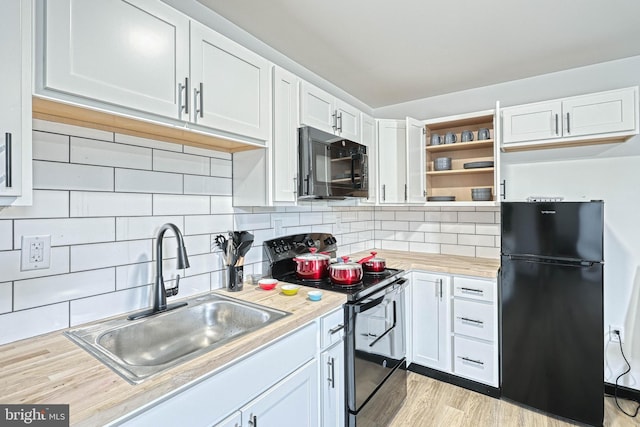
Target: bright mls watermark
[{"x": 34, "y": 415}]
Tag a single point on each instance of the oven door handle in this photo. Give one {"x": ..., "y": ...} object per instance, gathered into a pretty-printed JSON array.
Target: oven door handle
[
  {"x": 389, "y": 329},
  {"x": 361, "y": 308}
]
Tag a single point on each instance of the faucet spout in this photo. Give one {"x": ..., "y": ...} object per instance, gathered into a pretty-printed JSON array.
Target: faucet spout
[{"x": 159, "y": 291}]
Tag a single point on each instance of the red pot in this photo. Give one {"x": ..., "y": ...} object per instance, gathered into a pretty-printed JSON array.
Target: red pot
[
  {"x": 345, "y": 273},
  {"x": 373, "y": 264},
  {"x": 312, "y": 266}
]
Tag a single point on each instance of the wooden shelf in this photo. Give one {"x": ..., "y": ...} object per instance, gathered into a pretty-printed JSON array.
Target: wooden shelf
[
  {"x": 460, "y": 146},
  {"x": 461, "y": 171}
]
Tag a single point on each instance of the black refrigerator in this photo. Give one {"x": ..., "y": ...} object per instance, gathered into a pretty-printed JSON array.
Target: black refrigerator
[{"x": 551, "y": 329}]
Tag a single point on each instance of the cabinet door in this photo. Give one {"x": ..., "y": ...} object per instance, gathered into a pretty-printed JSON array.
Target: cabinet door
[
  {"x": 234, "y": 420},
  {"x": 317, "y": 108},
  {"x": 293, "y": 402},
  {"x": 332, "y": 386},
  {"x": 347, "y": 121},
  {"x": 231, "y": 85},
  {"x": 285, "y": 136},
  {"x": 15, "y": 93},
  {"x": 130, "y": 53},
  {"x": 605, "y": 112},
  {"x": 430, "y": 328},
  {"x": 416, "y": 162},
  {"x": 368, "y": 133},
  {"x": 532, "y": 122},
  {"x": 391, "y": 161}
]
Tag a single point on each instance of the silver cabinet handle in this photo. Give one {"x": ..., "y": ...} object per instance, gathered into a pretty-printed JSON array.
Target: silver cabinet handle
[
  {"x": 7, "y": 160},
  {"x": 466, "y": 359},
  {"x": 556, "y": 124},
  {"x": 339, "y": 118},
  {"x": 253, "y": 420},
  {"x": 198, "y": 103},
  {"x": 295, "y": 185},
  {"x": 568, "y": 124},
  {"x": 476, "y": 291},
  {"x": 183, "y": 105},
  {"x": 336, "y": 329},
  {"x": 466, "y": 319},
  {"x": 334, "y": 121},
  {"x": 332, "y": 372},
  {"x": 440, "y": 282},
  {"x": 384, "y": 193},
  {"x": 405, "y": 192}
]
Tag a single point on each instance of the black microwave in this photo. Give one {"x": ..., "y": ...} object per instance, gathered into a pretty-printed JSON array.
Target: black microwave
[{"x": 330, "y": 166}]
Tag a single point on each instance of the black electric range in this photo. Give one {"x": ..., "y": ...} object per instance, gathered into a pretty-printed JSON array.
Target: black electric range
[{"x": 281, "y": 251}]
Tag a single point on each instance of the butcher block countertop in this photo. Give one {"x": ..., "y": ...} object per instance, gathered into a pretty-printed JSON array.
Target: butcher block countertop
[
  {"x": 51, "y": 369},
  {"x": 450, "y": 264}
]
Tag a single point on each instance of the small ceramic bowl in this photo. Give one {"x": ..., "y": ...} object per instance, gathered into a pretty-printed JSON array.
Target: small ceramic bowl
[
  {"x": 290, "y": 289},
  {"x": 267, "y": 284},
  {"x": 314, "y": 295}
]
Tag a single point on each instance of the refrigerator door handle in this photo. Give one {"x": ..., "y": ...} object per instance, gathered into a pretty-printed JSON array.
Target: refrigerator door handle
[{"x": 554, "y": 261}]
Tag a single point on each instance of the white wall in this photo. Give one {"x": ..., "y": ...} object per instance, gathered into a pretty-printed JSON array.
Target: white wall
[{"x": 607, "y": 172}]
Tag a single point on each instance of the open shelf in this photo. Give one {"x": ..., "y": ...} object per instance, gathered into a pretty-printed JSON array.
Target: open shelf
[
  {"x": 472, "y": 145},
  {"x": 461, "y": 171}
]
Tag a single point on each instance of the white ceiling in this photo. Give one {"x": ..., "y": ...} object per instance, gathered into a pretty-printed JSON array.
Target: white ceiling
[{"x": 385, "y": 52}]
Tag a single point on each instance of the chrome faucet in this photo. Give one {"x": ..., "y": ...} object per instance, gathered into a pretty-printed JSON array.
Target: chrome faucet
[{"x": 160, "y": 293}]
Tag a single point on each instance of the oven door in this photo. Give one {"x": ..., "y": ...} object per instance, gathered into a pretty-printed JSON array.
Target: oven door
[{"x": 376, "y": 354}]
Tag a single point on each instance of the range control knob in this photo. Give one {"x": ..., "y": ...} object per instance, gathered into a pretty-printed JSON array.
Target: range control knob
[{"x": 309, "y": 243}]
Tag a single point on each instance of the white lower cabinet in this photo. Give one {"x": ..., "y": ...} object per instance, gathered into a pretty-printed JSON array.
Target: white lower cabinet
[
  {"x": 331, "y": 372},
  {"x": 455, "y": 325}
]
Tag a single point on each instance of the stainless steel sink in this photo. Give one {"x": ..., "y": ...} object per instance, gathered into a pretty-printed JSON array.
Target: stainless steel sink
[{"x": 141, "y": 348}]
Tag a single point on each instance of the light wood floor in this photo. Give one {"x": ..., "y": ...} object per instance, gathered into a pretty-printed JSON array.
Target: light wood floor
[{"x": 434, "y": 403}]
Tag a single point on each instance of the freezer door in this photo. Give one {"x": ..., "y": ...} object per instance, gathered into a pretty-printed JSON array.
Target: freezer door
[
  {"x": 551, "y": 338},
  {"x": 569, "y": 230}
]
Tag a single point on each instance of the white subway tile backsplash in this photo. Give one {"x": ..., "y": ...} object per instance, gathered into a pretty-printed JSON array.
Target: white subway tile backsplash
[
  {"x": 67, "y": 231},
  {"x": 441, "y": 238},
  {"x": 429, "y": 248},
  {"x": 100, "y": 255},
  {"x": 458, "y": 250},
  {"x": 312, "y": 218},
  {"x": 394, "y": 245},
  {"x": 365, "y": 216},
  {"x": 28, "y": 323},
  {"x": 395, "y": 225},
  {"x": 199, "y": 244},
  {"x": 135, "y": 181},
  {"x": 165, "y": 204},
  {"x": 409, "y": 216},
  {"x": 133, "y": 275},
  {"x": 441, "y": 216},
  {"x": 484, "y": 252},
  {"x": 457, "y": 228},
  {"x": 6, "y": 297},
  {"x": 221, "y": 205},
  {"x": 201, "y": 264},
  {"x": 46, "y": 204},
  {"x": 221, "y": 168},
  {"x": 68, "y": 176},
  {"x": 50, "y": 146},
  {"x": 254, "y": 221},
  {"x": 83, "y": 204},
  {"x": 410, "y": 236},
  {"x": 205, "y": 224},
  {"x": 149, "y": 143},
  {"x": 143, "y": 227},
  {"x": 206, "y": 152},
  {"x": 10, "y": 265},
  {"x": 482, "y": 217},
  {"x": 425, "y": 227},
  {"x": 384, "y": 215},
  {"x": 475, "y": 240},
  {"x": 209, "y": 185},
  {"x": 64, "y": 287},
  {"x": 193, "y": 285},
  {"x": 106, "y": 305},
  {"x": 6, "y": 235},
  {"x": 92, "y": 152},
  {"x": 65, "y": 129},
  {"x": 167, "y": 161},
  {"x": 493, "y": 229}
]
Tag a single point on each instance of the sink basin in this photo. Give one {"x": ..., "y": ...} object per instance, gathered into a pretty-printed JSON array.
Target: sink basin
[{"x": 141, "y": 348}]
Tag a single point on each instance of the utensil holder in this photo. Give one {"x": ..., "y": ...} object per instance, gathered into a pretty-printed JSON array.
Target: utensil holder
[{"x": 235, "y": 278}]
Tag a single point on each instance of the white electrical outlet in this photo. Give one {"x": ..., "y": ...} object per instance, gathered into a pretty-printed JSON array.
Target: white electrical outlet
[
  {"x": 616, "y": 337},
  {"x": 35, "y": 253}
]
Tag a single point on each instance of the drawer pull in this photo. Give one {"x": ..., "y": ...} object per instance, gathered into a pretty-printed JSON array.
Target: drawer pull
[
  {"x": 336, "y": 329},
  {"x": 475, "y": 291},
  {"x": 466, "y": 359},
  {"x": 466, "y": 319}
]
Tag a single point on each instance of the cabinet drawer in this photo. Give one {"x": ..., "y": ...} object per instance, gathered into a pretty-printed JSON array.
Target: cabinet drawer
[
  {"x": 467, "y": 287},
  {"x": 473, "y": 319},
  {"x": 332, "y": 328},
  {"x": 474, "y": 360}
]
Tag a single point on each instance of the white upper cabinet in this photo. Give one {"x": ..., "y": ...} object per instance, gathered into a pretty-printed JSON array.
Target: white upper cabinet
[
  {"x": 130, "y": 53},
  {"x": 368, "y": 132},
  {"x": 15, "y": 107},
  {"x": 392, "y": 152},
  {"x": 605, "y": 116},
  {"x": 323, "y": 111},
  {"x": 284, "y": 148},
  {"x": 416, "y": 162},
  {"x": 230, "y": 85}
]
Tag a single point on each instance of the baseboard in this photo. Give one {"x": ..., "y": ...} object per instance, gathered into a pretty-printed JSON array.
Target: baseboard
[
  {"x": 455, "y": 380},
  {"x": 624, "y": 392}
]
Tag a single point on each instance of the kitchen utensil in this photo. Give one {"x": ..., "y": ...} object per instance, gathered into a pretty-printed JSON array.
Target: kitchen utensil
[
  {"x": 290, "y": 289},
  {"x": 450, "y": 138},
  {"x": 436, "y": 139},
  {"x": 345, "y": 273},
  {"x": 441, "y": 198},
  {"x": 442, "y": 163},
  {"x": 478, "y": 165},
  {"x": 312, "y": 266},
  {"x": 481, "y": 194},
  {"x": 483, "y": 133},
  {"x": 373, "y": 264},
  {"x": 314, "y": 295},
  {"x": 235, "y": 278},
  {"x": 267, "y": 284},
  {"x": 466, "y": 136}
]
